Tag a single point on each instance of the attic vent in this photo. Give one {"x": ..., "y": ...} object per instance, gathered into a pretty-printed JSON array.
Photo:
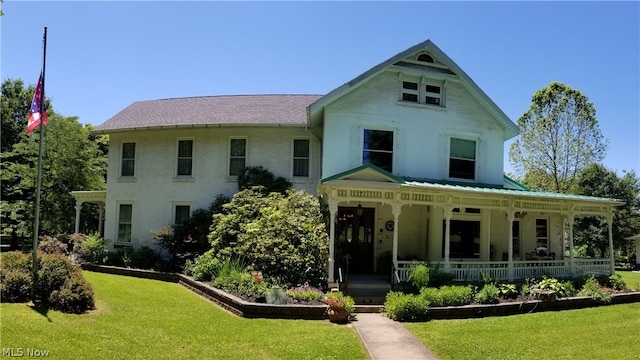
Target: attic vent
[{"x": 426, "y": 58}]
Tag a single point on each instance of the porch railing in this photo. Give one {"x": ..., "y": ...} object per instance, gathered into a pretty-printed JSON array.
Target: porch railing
[{"x": 499, "y": 270}]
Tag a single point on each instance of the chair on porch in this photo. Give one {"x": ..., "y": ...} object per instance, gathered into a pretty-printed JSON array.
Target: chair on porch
[
  {"x": 552, "y": 256},
  {"x": 527, "y": 256}
]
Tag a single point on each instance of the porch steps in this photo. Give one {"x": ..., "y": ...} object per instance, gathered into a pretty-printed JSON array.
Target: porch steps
[{"x": 368, "y": 291}]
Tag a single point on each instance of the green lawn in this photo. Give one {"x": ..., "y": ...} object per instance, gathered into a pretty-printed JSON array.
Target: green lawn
[
  {"x": 607, "y": 332},
  {"x": 632, "y": 279},
  {"x": 142, "y": 319}
]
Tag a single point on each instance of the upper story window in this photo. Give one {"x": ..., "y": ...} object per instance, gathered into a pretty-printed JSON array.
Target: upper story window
[
  {"x": 301, "y": 157},
  {"x": 462, "y": 159},
  {"x": 378, "y": 149},
  {"x": 128, "y": 159},
  {"x": 237, "y": 156},
  {"x": 185, "y": 157},
  {"x": 422, "y": 92}
]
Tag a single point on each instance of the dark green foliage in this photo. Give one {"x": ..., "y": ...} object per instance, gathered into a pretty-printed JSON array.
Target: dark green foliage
[
  {"x": 406, "y": 307},
  {"x": 253, "y": 176},
  {"x": 204, "y": 268},
  {"x": 15, "y": 286},
  {"x": 616, "y": 282},
  {"x": 51, "y": 245},
  {"x": 439, "y": 278},
  {"x": 189, "y": 240},
  {"x": 75, "y": 296},
  {"x": 448, "y": 295},
  {"x": 592, "y": 232},
  {"x": 59, "y": 283},
  {"x": 508, "y": 291},
  {"x": 489, "y": 294},
  {"x": 562, "y": 288},
  {"x": 283, "y": 236}
]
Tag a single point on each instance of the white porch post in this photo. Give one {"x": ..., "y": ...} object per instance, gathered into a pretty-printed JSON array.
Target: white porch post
[
  {"x": 333, "y": 211},
  {"x": 100, "y": 217},
  {"x": 610, "y": 226},
  {"x": 396, "y": 209},
  {"x": 572, "y": 258},
  {"x": 448, "y": 212},
  {"x": 511, "y": 214},
  {"x": 78, "y": 208}
]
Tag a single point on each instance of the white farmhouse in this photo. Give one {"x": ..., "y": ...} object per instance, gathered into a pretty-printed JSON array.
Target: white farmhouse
[{"x": 408, "y": 156}]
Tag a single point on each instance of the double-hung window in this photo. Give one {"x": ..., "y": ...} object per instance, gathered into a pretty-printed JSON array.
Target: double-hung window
[
  {"x": 125, "y": 213},
  {"x": 422, "y": 91},
  {"x": 462, "y": 159},
  {"x": 181, "y": 214},
  {"x": 237, "y": 156},
  {"x": 377, "y": 149},
  {"x": 128, "y": 159},
  {"x": 542, "y": 234},
  {"x": 185, "y": 157},
  {"x": 301, "y": 157}
]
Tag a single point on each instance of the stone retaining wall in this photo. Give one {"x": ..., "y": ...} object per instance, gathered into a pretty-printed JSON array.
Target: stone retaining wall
[{"x": 318, "y": 312}]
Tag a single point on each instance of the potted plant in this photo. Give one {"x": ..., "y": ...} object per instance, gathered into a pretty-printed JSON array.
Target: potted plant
[{"x": 340, "y": 307}]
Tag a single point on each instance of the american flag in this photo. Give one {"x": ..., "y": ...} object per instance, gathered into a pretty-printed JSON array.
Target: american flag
[{"x": 34, "y": 113}]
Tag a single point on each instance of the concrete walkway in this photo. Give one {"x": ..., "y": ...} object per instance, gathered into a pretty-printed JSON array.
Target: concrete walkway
[{"x": 386, "y": 339}]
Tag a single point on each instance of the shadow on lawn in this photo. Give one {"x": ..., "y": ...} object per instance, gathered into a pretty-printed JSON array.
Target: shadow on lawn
[{"x": 40, "y": 310}]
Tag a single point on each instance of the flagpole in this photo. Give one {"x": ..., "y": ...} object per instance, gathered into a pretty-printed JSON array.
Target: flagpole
[{"x": 36, "y": 224}]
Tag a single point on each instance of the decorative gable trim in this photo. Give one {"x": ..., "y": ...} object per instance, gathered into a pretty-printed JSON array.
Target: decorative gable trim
[
  {"x": 366, "y": 172},
  {"x": 315, "y": 111}
]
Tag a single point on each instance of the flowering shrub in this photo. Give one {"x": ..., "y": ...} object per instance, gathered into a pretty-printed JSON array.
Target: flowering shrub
[
  {"x": 338, "y": 301},
  {"x": 306, "y": 293}
]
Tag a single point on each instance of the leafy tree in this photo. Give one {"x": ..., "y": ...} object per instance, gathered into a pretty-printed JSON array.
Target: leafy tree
[
  {"x": 283, "y": 236},
  {"x": 71, "y": 161},
  {"x": 190, "y": 239},
  {"x": 559, "y": 137},
  {"x": 258, "y": 176},
  {"x": 592, "y": 232}
]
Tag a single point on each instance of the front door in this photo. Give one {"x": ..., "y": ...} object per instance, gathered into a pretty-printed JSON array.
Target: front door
[{"x": 354, "y": 239}]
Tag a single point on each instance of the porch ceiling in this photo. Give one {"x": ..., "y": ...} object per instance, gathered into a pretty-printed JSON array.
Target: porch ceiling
[{"x": 96, "y": 196}]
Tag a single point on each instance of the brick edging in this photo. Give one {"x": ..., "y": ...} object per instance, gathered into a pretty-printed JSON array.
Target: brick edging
[
  {"x": 246, "y": 309},
  {"x": 229, "y": 302}
]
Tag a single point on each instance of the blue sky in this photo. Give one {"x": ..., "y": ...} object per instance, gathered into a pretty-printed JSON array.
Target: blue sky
[{"x": 102, "y": 56}]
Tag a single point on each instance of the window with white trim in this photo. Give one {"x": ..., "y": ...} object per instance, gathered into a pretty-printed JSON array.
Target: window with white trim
[
  {"x": 301, "y": 157},
  {"x": 515, "y": 227},
  {"x": 125, "y": 214},
  {"x": 377, "y": 149},
  {"x": 128, "y": 159},
  {"x": 237, "y": 156},
  {"x": 181, "y": 214},
  {"x": 462, "y": 159},
  {"x": 542, "y": 234},
  {"x": 427, "y": 92},
  {"x": 185, "y": 157}
]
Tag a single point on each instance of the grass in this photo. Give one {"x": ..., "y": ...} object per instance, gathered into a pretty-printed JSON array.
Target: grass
[
  {"x": 608, "y": 332},
  {"x": 632, "y": 279},
  {"x": 141, "y": 319}
]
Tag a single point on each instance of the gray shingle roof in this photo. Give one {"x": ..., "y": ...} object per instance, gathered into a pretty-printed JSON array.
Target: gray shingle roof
[{"x": 235, "y": 110}]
